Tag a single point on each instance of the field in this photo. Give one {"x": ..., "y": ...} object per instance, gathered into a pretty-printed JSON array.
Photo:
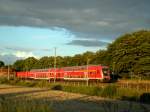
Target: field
[{"x": 23, "y": 99}]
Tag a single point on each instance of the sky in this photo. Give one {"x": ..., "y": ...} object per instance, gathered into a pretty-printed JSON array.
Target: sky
[{"x": 35, "y": 27}]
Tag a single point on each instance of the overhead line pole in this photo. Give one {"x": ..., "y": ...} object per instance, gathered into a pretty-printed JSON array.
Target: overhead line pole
[
  {"x": 87, "y": 83},
  {"x": 54, "y": 64}
]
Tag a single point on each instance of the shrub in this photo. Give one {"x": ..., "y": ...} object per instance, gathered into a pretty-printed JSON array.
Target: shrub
[
  {"x": 3, "y": 80},
  {"x": 14, "y": 81},
  {"x": 145, "y": 98},
  {"x": 97, "y": 91},
  {"x": 109, "y": 91},
  {"x": 56, "y": 87},
  {"x": 42, "y": 84}
]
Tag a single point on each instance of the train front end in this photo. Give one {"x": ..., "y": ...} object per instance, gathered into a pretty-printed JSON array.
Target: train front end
[{"x": 106, "y": 73}]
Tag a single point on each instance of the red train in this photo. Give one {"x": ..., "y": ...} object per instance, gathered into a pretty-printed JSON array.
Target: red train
[{"x": 91, "y": 72}]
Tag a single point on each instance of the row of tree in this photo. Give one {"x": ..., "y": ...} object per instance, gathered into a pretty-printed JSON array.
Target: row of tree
[
  {"x": 128, "y": 55},
  {"x": 46, "y": 62}
]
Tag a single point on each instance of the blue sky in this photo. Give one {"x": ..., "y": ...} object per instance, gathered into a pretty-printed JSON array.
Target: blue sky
[
  {"x": 24, "y": 42},
  {"x": 35, "y": 27}
]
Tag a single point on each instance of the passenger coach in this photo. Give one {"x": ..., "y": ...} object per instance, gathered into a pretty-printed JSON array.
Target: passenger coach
[{"x": 91, "y": 72}]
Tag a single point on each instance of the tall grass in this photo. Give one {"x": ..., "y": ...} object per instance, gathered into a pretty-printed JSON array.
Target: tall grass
[
  {"x": 23, "y": 105},
  {"x": 110, "y": 91}
]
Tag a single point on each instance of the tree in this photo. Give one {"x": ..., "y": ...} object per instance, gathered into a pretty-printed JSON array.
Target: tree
[
  {"x": 29, "y": 63},
  {"x": 44, "y": 62},
  {"x": 77, "y": 60},
  {"x": 130, "y": 53},
  {"x": 87, "y": 56},
  {"x": 67, "y": 61},
  {"x": 101, "y": 57},
  {"x": 2, "y": 64},
  {"x": 19, "y": 65}
]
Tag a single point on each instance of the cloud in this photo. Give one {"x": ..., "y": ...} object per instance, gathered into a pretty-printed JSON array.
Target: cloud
[
  {"x": 88, "y": 43},
  {"x": 9, "y": 58},
  {"x": 22, "y": 54},
  {"x": 15, "y": 48},
  {"x": 15, "y": 53},
  {"x": 22, "y": 49},
  {"x": 84, "y": 18}
]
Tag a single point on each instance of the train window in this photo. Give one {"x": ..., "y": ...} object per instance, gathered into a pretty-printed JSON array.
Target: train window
[
  {"x": 59, "y": 74},
  {"x": 94, "y": 72},
  {"x": 105, "y": 71}
]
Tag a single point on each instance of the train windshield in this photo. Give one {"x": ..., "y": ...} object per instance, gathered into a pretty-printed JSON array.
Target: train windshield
[{"x": 106, "y": 71}]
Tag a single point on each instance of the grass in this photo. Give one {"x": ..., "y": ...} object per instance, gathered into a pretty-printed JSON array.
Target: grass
[
  {"x": 31, "y": 99},
  {"x": 23, "y": 105},
  {"x": 112, "y": 91}
]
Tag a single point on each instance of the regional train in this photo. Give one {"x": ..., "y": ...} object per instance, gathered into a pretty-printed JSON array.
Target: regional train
[{"x": 78, "y": 73}]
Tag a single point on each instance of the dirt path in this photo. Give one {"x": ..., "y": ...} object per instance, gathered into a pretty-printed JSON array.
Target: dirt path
[{"x": 70, "y": 102}]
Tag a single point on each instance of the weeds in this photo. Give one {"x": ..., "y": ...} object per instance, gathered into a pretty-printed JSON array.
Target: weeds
[
  {"x": 45, "y": 102},
  {"x": 23, "y": 105},
  {"x": 118, "y": 107},
  {"x": 57, "y": 87},
  {"x": 109, "y": 91}
]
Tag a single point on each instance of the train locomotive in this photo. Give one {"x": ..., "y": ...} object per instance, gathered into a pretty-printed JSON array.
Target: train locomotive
[{"x": 78, "y": 73}]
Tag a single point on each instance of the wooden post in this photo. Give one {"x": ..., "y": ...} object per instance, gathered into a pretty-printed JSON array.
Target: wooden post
[{"x": 8, "y": 73}]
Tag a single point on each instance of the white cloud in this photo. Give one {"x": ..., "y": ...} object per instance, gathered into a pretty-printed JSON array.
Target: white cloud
[
  {"x": 23, "y": 54},
  {"x": 19, "y": 54},
  {"x": 11, "y": 57}
]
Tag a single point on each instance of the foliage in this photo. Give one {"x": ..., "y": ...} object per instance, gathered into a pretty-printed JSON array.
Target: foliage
[
  {"x": 57, "y": 87},
  {"x": 109, "y": 91},
  {"x": 3, "y": 80},
  {"x": 44, "y": 62},
  {"x": 2, "y": 64},
  {"x": 144, "y": 98},
  {"x": 19, "y": 65},
  {"x": 130, "y": 53}
]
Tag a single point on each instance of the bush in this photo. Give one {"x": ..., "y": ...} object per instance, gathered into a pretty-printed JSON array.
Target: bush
[
  {"x": 14, "y": 81},
  {"x": 56, "y": 87},
  {"x": 109, "y": 91},
  {"x": 3, "y": 80},
  {"x": 145, "y": 98},
  {"x": 29, "y": 84},
  {"x": 42, "y": 84},
  {"x": 97, "y": 91}
]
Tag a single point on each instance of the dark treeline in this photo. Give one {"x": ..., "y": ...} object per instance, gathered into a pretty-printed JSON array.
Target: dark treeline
[{"x": 128, "y": 55}]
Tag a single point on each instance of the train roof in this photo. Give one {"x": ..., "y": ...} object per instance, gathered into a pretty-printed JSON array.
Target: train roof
[{"x": 67, "y": 68}]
